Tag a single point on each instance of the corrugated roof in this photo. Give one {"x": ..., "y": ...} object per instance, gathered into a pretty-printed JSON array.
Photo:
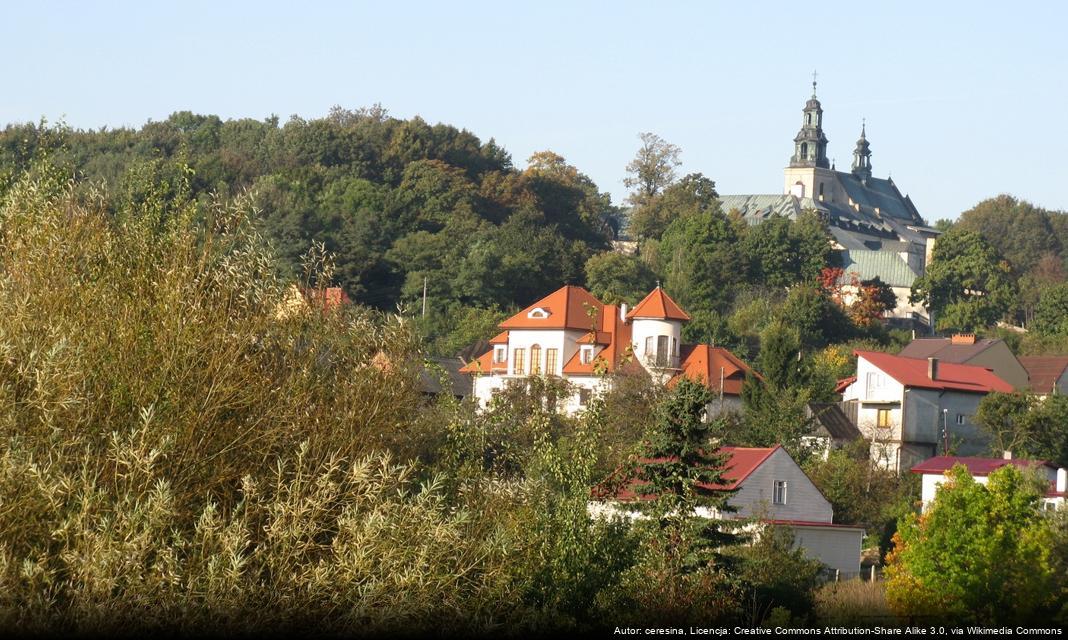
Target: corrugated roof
[
  {"x": 833, "y": 420},
  {"x": 868, "y": 265},
  {"x": 1044, "y": 371},
  {"x": 912, "y": 372}
]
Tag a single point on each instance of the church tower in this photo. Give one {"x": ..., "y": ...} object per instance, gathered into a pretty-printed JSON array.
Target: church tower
[
  {"x": 862, "y": 157},
  {"x": 810, "y": 145},
  {"x": 809, "y": 174}
]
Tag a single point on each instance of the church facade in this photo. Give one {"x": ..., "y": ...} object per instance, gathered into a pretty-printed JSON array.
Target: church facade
[{"x": 876, "y": 228}]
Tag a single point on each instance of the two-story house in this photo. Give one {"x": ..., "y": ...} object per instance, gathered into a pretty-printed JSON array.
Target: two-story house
[
  {"x": 769, "y": 488},
  {"x": 912, "y": 409},
  {"x": 573, "y": 335}
]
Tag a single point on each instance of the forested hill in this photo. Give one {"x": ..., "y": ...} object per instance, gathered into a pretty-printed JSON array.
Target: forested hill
[{"x": 395, "y": 201}]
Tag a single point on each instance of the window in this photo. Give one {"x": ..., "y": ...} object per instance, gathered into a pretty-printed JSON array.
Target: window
[
  {"x": 780, "y": 492},
  {"x": 821, "y": 191},
  {"x": 960, "y": 418},
  {"x": 583, "y": 397},
  {"x": 883, "y": 419},
  {"x": 648, "y": 346},
  {"x": 535, "y": 360},
  {"x": 538, "y": 313},
  {"x": 499, "y": 354},
  {"x": 586, "y": 355},
  {"x": 661, "y": 351},
  {"x": 550, "y": 362},
  {"x": 517, "y": 359},
  {"x": 875, "y": 381},
  {"x": 804, "y": 150}
]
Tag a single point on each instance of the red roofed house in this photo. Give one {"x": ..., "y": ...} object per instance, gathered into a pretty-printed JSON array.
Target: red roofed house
[
  {"x": 910, "y": 408},
  {"x": 571, "y": 334},
  {"x": 772, "y": 488},
  {"x": 934, "y": 474}
]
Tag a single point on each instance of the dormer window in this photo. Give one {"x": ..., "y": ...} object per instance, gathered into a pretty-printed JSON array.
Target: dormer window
[
  {"x": 586, "y": 354},
  {"x": 538, "y": 313}
]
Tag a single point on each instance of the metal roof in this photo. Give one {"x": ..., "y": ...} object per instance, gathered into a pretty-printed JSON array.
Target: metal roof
[{"x": 867, "y": 265}]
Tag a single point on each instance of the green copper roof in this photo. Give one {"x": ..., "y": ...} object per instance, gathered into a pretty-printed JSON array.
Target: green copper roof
[{"x": 887, "y": 266}]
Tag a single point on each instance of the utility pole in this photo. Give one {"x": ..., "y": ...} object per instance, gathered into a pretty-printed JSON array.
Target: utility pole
[{"x": 424, "y": 296}]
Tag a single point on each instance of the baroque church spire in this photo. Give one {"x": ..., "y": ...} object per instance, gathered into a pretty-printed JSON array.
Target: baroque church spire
[
  {"x": 810, "y": 145},
  {"x": 862, "y": 156}
]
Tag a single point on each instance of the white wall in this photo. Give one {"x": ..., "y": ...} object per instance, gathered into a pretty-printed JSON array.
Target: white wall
[
  {"x": 642, "y": 329},
  {"x": 755, "y": 496}
]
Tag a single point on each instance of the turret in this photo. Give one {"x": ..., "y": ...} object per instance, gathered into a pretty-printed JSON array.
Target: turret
[{"x": 656, "y": 331}]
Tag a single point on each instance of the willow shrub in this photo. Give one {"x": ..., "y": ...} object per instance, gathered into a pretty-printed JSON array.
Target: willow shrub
[{"x": 178, "y": 450}]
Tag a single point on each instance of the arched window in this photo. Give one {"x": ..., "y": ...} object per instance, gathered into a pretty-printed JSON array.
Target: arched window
[
  {"x": 804, "y": 150},
  {"x": 821, "y": 191},
  {"x": 808, "y": 119},
  {"x": 535, "y": 360}
]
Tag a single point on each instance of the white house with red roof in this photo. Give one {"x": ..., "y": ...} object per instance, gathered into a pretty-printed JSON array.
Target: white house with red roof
[
  {"x": 573, "y": 335},
  {"x": 770, "y": 488},
  {"x": 911, "y": 409},
  {"x": 934, "y": 472}
]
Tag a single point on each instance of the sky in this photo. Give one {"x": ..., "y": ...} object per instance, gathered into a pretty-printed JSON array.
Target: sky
[{"x": 963, "y": 100}]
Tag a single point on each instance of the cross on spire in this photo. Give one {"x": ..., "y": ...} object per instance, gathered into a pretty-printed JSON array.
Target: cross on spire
[{"x": 814, "y": 74}]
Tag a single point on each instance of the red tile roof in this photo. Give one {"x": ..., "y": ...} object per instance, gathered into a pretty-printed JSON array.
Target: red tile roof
[
  {"x": 912, "y": 372},
  {"x": 976, "y": 466},
  {"x": 500, "y": 338},
  {"x": 567, "y": 308},
  {"x": 658, "y": 305},
  {"x": 614, "y": 334},
  {"x": 1044, "y": 371},
  {"x": 703, "y": 363}
]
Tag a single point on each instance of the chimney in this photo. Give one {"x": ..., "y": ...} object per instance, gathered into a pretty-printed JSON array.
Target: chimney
[
  {"x": 623, "y": 311},
  {"x": 932, "y": 368},
  {"x": 962, "y": 338},
  {"x": 1062, "y": 480},
  {"x": 1006, "y": 455}
]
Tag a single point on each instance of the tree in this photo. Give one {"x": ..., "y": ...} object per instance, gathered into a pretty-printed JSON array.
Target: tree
[
  {"x": 774, "y": 405},
  {"x": 980, "y": 553},
  {"x": 652, "y": 169},
  {"x": 968, "y": 285},
  {"x": 681, "y": 471},
  {"x": 700, "y": 260},
  {"x": 1051, "y": 312},
  {"x": 781, "y": 252},
  {"x": 818, "y": 320},
  {"x": 873, "y": 299},
  {"x": 1004, "y": 417},
  {"x": 1018, "y": 230},
  {"x": 693, "y": 194},
  {"x": 615, "y": 277}
]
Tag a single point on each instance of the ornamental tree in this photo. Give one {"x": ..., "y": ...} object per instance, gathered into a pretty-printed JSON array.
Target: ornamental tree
[{"x": 980, "y": 553}]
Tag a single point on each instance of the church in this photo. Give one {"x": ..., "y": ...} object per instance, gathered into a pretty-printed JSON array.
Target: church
[{"x": 877, "y": 229}]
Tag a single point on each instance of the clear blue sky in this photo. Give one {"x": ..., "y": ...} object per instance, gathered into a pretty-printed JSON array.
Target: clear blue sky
[{"x": 963, "y": 100}]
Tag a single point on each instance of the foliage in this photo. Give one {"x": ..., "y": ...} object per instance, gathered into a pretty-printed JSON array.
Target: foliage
[
  {"x": 775, "y": 404},
  {"x": 968, "y": 285},
  {"x": 775, "y": 573},
  {"x": 782, "y": 252},
  {"x": 692, "y": 194},
  {"x": 980, "y": 553},
  {"x": 395, "y": 201},
  {"x": 700, "y": 259},
  {"x": 1025, "y": 425},
  {"x": 1018, "y": 230},
  {"x": 652, "y": 169},
  {"x": 1051, "y": 312},
  {"x": 615, "y": 277}
]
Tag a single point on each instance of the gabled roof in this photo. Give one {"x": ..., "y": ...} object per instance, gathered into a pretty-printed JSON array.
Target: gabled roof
[
  {"x": 975, "y": 466},
  {"x": 658, "y": 305},
  {"x": 1044, "y": 371},
  {"x": 741, "y": 462},
  {"x": 703, "y": 363},
  {"x": 500, "y": 338},
  {"x": 912, "y": 372},
  {"x": 945, "y": 350},
  {"x": 566, "y": 308},
  {"x": 430, "y": 380}
]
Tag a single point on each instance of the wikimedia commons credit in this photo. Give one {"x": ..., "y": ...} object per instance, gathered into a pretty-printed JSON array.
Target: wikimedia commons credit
[{"x": 966, "y": 631}]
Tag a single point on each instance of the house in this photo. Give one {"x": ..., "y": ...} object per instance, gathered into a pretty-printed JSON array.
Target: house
[
  {"x": 832, "y": 428},
  {"x": 1048, "y": 374},
  {"x": 934, "y": 474},
  {"x": 876, "y": 228},
  {"x": 572, "y": 335},
  {"x": 965, "y": 348},
  {"x": 442, "y": 375},
  {"x": 910, "y": 409},
  {"x": 297, "y": 299},
  {"x": 771, "y": 488}
]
